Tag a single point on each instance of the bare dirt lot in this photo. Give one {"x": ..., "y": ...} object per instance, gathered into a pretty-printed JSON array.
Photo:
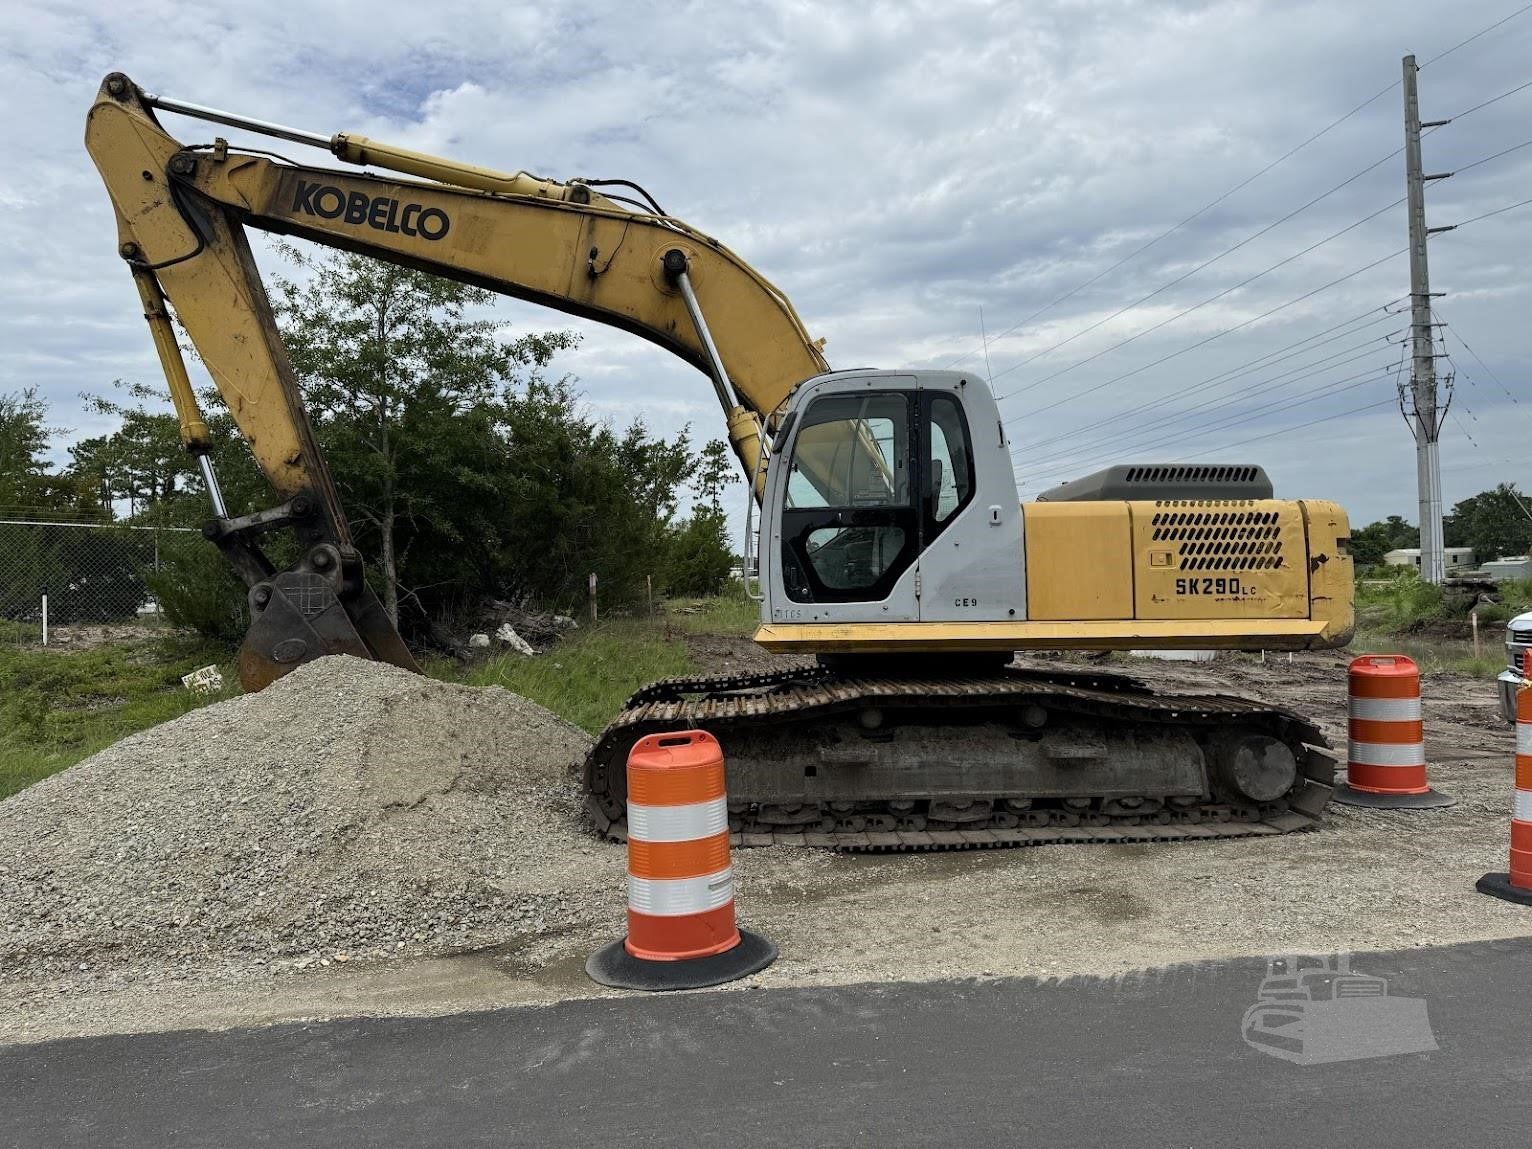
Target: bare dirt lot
[{"x": 1367, "y": 879}]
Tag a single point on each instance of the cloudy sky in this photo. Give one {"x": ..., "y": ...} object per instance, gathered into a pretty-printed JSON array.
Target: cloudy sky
[{"x": 898, "y": 169}]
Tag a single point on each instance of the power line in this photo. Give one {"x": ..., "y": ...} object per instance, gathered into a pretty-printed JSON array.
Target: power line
[
  {"x": 1226, "y": 422},
  {"x": 1305, "y": 371},
  {"x": 1229, "y": 375},
  {"x": 1475, "y": 36},
  {"x": 1223, "y": 423},
  {"x": 1464, "y": 404},
  {"x": 1163, "y": 422},
  {"x": 1251, "y": 238},
  {"x": 1298, "y": 427},
  {"x": 1488, "y": 214},
  {"x": 1092, "y": 463},
  {"x": 1302, "y": 399},
  {"x": 1259, "y": 363},
  {"x": 1226, "y": 331},
  {"x": 1492, "y": 100},
  {"x": 1462, "y": 426},
  {"x": 1496, "y": 156},
  {"x": 1201, "y": 211},
  {"x": 1255, "y": 319},
  {"x": 1489, "y": 459},
  {"x": 1205, "y": 208},
  {"x": 1210, "y": 299},
  {"x": 1447, "y": 327},
  {"x": 1207, "y": 263}
]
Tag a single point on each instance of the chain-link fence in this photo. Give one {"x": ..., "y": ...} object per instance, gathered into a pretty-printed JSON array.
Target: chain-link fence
[{"x": 61, "y": 579}]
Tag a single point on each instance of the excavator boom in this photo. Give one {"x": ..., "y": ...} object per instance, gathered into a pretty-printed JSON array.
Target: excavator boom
[{"x": 181, "y": 216}]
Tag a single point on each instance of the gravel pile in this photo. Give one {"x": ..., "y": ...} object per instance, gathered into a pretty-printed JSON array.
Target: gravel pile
[{"x": 349, "y": 811}]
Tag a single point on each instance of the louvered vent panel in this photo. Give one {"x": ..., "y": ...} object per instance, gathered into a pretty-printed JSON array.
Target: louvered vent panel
[
  {"x": 1221, "y": 540},
  {"x": 1183, "y": 473}
]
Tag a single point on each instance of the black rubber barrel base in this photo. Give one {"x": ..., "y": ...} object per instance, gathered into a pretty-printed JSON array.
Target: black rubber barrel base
[
  {"x": 613, "y": 965},
  {"x": 1499, "y": 886},
  {"x": 1430, "y": 800}
]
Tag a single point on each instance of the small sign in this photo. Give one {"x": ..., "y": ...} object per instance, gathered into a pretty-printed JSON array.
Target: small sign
[{"x": 208, "y": 680}]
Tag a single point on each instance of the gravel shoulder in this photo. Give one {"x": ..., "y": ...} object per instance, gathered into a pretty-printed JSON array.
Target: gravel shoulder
[{"x": 1366, "y": 880}]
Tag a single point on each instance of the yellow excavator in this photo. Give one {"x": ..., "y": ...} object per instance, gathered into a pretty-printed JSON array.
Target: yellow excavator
[{"x": 890, "y": 545}]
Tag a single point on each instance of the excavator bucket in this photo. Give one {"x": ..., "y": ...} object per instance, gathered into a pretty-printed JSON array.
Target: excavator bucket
[{"x": 297, "y": 616}]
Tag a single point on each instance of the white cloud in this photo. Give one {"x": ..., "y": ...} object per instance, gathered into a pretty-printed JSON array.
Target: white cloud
[{"x": 892, "y": 166}]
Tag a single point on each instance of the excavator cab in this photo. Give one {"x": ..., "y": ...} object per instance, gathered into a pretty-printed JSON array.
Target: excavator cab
[{"x": 876, "y": 493}]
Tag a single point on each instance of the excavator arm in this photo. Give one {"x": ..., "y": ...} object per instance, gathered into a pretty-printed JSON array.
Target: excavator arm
[{"x": 181, "y": 215}]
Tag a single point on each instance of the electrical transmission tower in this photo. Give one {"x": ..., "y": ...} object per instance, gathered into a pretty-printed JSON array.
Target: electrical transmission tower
[{"x": 1419, "y": 400}]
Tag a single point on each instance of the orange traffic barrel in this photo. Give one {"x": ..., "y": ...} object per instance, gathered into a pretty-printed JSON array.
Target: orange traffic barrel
[
  {"x": 1386, "y": 748},
  {"x": 1515, "y": 885},
  {"x": 681, "y": 928}
]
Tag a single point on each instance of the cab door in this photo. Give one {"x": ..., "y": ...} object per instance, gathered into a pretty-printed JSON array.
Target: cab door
[{"x": 848, "y": 537}]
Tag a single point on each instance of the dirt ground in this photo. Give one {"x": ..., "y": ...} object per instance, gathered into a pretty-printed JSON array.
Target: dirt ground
[
  {"x": 89, "y": 636},
  {"x": 1366, "y": 880}
]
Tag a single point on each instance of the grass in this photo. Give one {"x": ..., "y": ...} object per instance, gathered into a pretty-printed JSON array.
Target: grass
[
  {"x": 588, "y": 676},
  {"x": 1403, "y": 614},
  {"x": 16, "y": 633},
  {"x": 1439, "y": 654},
  {"x": 1398, "y": 604},
  {"x": 592, "y": 672},
  {"x": 729, "y": 613},
  {"x": 59, "y": 706}
]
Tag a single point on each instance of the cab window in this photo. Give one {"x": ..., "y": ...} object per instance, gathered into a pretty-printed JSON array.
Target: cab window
[
  {"x": 852, "y": 451},
  {"x": 949, "y": 462}
]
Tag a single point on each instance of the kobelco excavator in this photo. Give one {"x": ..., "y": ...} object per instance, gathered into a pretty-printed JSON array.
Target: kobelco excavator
[{"x": 891, "y": 543}]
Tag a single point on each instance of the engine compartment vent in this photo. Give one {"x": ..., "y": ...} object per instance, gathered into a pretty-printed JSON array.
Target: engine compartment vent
[
  {"x": 1165, "y": 481},
  {"x": 1217, "y": 539}
]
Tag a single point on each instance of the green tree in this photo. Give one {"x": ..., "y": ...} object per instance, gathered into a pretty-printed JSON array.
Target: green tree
[
  {"x": 142, "y": 462},
  {"x": 26, "y": 480},
  {"x": 1370, "y": 543},
  {"x": 23, "y": 440},
  {"x": 716, "y": 471},
  {"x": 465, "y": 471},
  {"x": 531, "y": 496},
  {"x": 1494, "y": 523},
  {"x": 698, "y": 554},
  {"x": 383, "y": 351}
]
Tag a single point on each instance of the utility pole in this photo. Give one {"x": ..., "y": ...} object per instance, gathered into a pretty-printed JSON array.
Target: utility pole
[{"x": 1423, "y": 416}]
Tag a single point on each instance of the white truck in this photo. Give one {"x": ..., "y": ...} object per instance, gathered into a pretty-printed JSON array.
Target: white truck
[{"x": 1518, "y": 640}]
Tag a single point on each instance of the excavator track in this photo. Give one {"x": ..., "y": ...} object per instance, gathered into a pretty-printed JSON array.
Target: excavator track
[{"x": 880, "y": 764}]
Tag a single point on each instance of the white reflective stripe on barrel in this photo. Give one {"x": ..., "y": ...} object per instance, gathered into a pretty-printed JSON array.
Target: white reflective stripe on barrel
[
  {"x": 1385, "y": 709},
  {"x": 671, "y": 897},
  {"x": 1523, "y": 809},
  {"x": 678, "y": 823},
  {"x": 1524, "y": 738},
  {"x": 1387, "y": 754}
]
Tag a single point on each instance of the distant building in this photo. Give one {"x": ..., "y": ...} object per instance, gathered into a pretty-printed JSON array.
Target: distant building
[
  {"x": 1410, "y": 557},
  {"x": 1512, "y": 566}
]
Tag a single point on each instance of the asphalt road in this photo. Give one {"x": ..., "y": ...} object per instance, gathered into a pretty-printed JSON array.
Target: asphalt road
[{"x": 1149, "y": 1059}]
